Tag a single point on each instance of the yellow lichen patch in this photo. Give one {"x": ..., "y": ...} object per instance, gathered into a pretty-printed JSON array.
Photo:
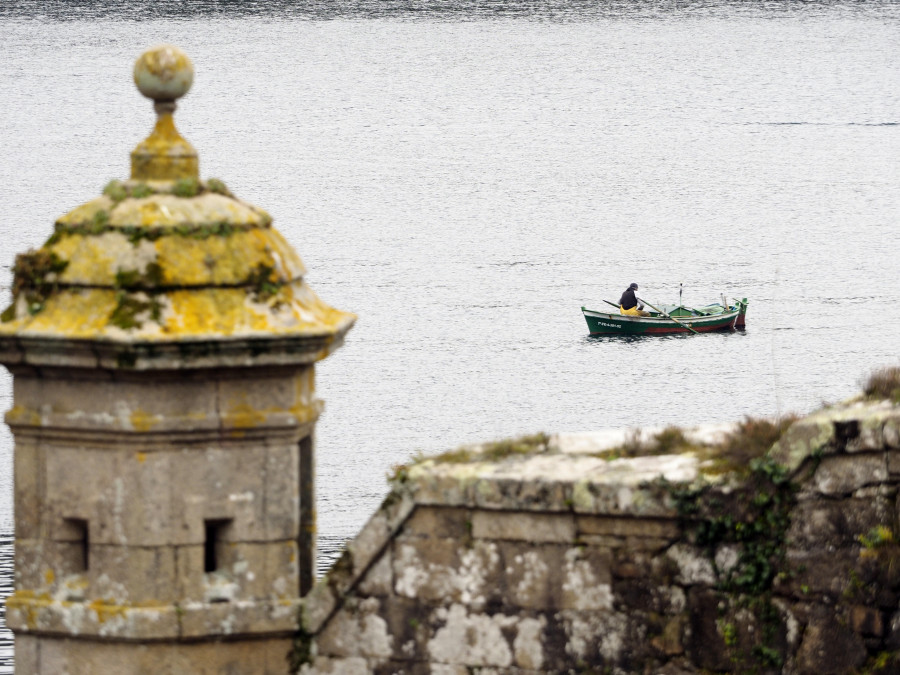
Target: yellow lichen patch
[
  {"x": 244, "y": 416},
  {"x": 107, "y": 609},
  {"x": 87, "y": 213},
  {"x": 225, "y": 260},
  {"x": 168, "y": 210},
  {"x": 20, "y": 415},
  {"x": 164, "y": 154},
  {"x": 70, "y": 313},
  {"x": 96, "y": 260},
  {"x": 142, "y": 421},
  {"x": 141, "y": 457},
  {"x": 307, "y": 413},
  {"x": 49, "y": 577},
  {"x": 186, "y": 313}
]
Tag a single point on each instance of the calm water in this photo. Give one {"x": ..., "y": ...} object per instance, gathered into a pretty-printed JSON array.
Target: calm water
[{"x": 465, "y": 176}]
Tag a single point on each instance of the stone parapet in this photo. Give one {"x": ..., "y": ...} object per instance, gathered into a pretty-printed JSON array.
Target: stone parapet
[{"x": 626, "y": 552}]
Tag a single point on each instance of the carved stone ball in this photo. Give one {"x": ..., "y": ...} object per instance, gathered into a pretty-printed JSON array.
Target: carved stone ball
[{"x": 163, "y": 73}]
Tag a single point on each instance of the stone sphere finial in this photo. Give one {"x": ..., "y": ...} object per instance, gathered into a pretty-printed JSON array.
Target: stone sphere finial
[{"x": 164, "y": 73}]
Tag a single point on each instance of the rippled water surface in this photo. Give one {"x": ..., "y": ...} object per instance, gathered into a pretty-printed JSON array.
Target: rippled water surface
[{"x": 466, "y": 175}]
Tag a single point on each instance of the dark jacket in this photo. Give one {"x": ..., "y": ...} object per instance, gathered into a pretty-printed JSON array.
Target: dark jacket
[{"x": 628, "y": 299}]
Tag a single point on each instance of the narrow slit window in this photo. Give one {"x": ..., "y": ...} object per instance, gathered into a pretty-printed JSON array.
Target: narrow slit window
[
  {"x": 78, "y": 527},
  {"x": 212, "y": 542}
]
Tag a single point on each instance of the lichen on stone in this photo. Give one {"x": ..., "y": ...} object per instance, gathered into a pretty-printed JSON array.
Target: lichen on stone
[
  {"x": 132, "y": 309},
  {"x": 150, "y": 278},
  {"x": 495, "y": 451},
  {"x": 35, "y": 278}
]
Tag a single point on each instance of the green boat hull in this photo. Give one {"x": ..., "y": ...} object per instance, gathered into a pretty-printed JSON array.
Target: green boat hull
[{"x": 606, "y": 323}]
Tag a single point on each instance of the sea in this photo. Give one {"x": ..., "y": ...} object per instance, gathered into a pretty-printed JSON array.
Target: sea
[{"x": 465, "y": 175}]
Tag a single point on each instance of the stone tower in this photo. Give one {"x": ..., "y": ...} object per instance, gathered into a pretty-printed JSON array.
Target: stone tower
[{"x": 163, "y": 343}]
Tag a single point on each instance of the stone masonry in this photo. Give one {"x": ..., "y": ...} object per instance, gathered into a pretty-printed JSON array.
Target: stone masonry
[
  {"x": 559, "y": 554},
  {"x": 162, "y": 344}
]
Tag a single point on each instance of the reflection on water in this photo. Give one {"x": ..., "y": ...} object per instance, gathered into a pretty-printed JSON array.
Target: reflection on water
[
  {"x": 465, "y": 175},
  {"x": 418, "y": 10}
]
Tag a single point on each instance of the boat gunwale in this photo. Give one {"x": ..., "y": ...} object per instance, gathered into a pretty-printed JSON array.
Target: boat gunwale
[{"x": 652, "y": 320}]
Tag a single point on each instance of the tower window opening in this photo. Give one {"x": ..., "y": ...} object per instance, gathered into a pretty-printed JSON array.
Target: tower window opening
[
  {"x": 78, "y": 527},
  {"x": 214, "y": 537}
]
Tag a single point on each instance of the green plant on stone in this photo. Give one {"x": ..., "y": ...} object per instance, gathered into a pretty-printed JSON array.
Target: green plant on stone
[
  {"x": 755, "y": 522},
  {"x": 141, "y": 190},
  {"x": 35, "y": 277},
  {"x": 186, "y": 187},
  {"x": 877, "y": 537},
  {"x": 98, "y": 223},
  {"x": 129, "y": 309},
  {"x": 217, "y": 186},
  {"x": 151, "y": 277},
  {"x": 264, "y": 282},
  {"x": 115, "y": 190},
  {"x": 884, "y": 383}
]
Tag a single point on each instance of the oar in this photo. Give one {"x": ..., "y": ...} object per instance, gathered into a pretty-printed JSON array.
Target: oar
[
  {"x": 683, "y": 325},
  {"x": 611, "y": 303}
]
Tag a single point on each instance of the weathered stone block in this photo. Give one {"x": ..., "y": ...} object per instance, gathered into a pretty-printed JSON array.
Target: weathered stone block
[
  {"x": 243, "y": 565},
  {"x": 472, "y": 638},
  {"x": 42, "y": 565},
  {"x": 893, "y": 463},
  {"x": 225, "y": 483},
  {"x": 670, "y": 641},
  {"x": 317, "y": 606},
  {"x": 90, "y": 657},
  {"x": 431, "y": 521},
  {"x": 627, "y": 527},
  {"x": 336, "y": 666},
  {"x": 190, "y": 577},
  {"x": 265, "y": 401},
  {"x": 378, "y": 580},
  {"x": 442, "y": 570},
  {"x": 128, "y": 405},
  {"x": 892, "y": 433},
  {"x": 27, "y": 651},
  {"x": 867, "y": 621},
  {"x": 517, "y": 526},
  {"x": 123, "y": 495},
  {"x": 595, "y": 637},
  {"x": 426, "y": 571},
  {"x": 281, "y": 575},
  {"x": 587, "y": 580},
  {"x": 604, "y": 541},
  {"x": 281, "y": 515},
  {"x": 357, "y": 629},
  {"x": 29, "y": 495},
  {"x": 130, "y": 575},
  {"x": 693, "y": 567},
  {"x": 533, "y": 574},
  {"x": 821, "y": 523},
  {"x": 828, "y": 648},
  {"x": 411, "y": 626},
  {"x": 823, "y": 571},
  {"x": 842, "y": 474},
  {"x": 235, "y": 619}
]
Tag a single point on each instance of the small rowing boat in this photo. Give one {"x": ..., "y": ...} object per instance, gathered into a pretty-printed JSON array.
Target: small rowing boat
[{"x": 667, "y": 319}]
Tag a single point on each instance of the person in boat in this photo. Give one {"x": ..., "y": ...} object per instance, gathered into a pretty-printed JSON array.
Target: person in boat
[{"x": 628, "y": 303}]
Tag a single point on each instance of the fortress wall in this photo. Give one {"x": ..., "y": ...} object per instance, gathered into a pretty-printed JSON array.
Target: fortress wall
[{"x": 563, "y": 558}]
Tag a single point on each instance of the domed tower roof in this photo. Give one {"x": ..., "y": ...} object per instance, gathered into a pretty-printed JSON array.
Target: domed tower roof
[{"x": 165, "y": 270}]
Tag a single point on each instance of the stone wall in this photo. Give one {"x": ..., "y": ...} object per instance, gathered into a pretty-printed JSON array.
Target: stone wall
[{"x": 576, "y": 553}]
